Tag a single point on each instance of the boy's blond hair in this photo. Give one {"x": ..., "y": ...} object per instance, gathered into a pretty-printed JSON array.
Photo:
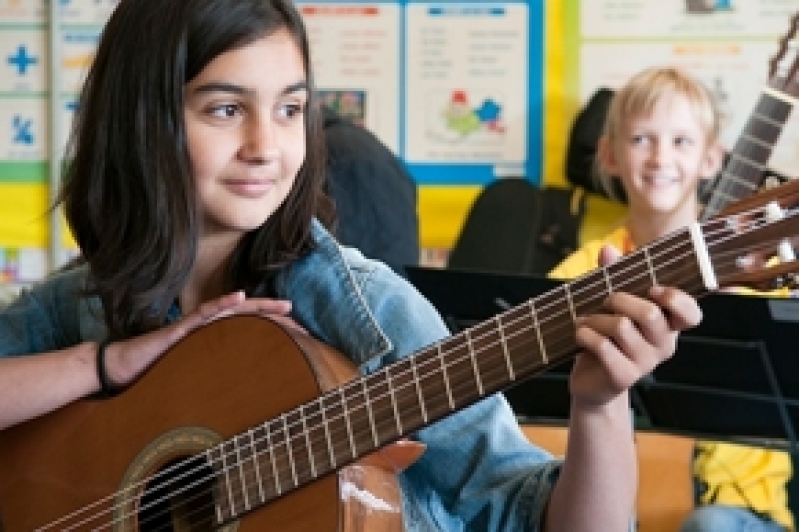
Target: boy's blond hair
[{"x": 641, "y": 94}]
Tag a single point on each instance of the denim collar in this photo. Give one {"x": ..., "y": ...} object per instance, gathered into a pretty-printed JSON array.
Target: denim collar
[{"x": 330, "y": 302}]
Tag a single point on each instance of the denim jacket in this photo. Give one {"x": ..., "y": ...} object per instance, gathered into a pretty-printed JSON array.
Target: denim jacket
[{"x": 478, "y": 471}]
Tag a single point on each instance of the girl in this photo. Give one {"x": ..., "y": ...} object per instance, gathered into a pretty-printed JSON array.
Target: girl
[
  {"x": 194, "y": 191},
  {"x": 660, "y": 140}
]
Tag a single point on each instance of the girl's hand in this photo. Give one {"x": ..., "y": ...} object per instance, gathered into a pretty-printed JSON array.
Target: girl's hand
[
  {"x": 629, "y": 341},
  {"x": 126, "y": 360}
]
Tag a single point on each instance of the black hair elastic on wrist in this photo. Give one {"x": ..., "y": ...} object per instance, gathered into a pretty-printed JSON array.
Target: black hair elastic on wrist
[{"x": 106, "y": 388}]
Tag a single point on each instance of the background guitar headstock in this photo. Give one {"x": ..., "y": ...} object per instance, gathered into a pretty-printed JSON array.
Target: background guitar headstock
[
  {"x": 752, "y": 243},
  {"x": 784, "y": 66}
]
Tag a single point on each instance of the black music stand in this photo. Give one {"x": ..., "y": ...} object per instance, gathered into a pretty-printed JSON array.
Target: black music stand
[{"x": 735, "y": 377}]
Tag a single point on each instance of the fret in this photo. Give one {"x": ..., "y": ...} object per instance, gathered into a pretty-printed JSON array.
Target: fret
[
  {"x": 446, "y": 377},
  {"x": 671, "y": 272},
  {"x": 328, "y": 439},
  {"x": 475, "y": 369},
  {"x": 433, "y": 383},
  {"x": 220, "y": 502},
  {"x": 358, "y": 413},
  {"x": 606, "y": 277},
  {"x": 345, "y": 413},
  {"x": 368, "y": 404},
  {"x": 775, "y": 107},
  {"x": 272, "y": 458},
  {"x": 222, "y": 506},
  {"x": 228, "y": 480},
  {"x": 737, "y": 159},
  {"x": 357, "y": 408},
  {"x": 289, "y": 451},
  {"x": 768, "y": 119},
  {"x": 760, "y": 142},
  {"x": 764, "y": 128},
  {"x": 307, "y": 433},
  {"x": 242, "y": 473},
  {"x": 340, "y": 441},
  {"x": 508, "y": 364},
  {"x": 753, "y": 151},
  {"x": 418, "y": 388},
  {"x": 393, "y": 397},
  {"x": 781, "y": 96},
  {"x": 257, "y": 465},
  {"x": 409, "y": 409},
  {"x": 649, "y": 265},
  {"x": 380, "y": 397},
  {"x": 537, "y": 328},
  {"x": 317, "y": 438},
  {"x": 459, "y": 366},
  {"x": 570, "y": 302},
  {"x": 586, "y": 294}
]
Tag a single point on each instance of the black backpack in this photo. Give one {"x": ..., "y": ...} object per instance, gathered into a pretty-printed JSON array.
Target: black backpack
[{"x": 516, "y": 227}]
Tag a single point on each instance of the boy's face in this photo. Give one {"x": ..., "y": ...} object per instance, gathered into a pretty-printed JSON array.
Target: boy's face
[{"x": 661, "y": 157}]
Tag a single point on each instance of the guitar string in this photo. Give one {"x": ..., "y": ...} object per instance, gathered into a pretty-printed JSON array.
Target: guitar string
[{"x": 237, "y": 464}]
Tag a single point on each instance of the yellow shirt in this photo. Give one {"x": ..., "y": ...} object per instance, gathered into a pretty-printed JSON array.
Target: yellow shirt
[
  {"x": 586, "y": 258},
  {"x": 736, "y": 475}
]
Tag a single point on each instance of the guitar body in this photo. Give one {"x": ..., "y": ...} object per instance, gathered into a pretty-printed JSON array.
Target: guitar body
[{"x": 217, "y": 383}]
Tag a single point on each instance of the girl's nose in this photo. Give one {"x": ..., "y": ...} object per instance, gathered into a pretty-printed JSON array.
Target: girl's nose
[{"x": 261, "y": 141}]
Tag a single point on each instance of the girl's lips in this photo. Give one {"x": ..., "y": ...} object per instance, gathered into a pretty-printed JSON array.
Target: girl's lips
[{"x": 250, "y": 188}]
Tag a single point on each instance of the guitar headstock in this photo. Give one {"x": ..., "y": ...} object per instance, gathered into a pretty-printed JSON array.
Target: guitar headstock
[
  {"x": 784, "y": 66},
  {"x": 753, "y": 242}
]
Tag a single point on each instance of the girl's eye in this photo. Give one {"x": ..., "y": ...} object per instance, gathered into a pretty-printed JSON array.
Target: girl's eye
[
  {"x": 682, "y": 141},
  {"x": 639, "y": 140},
  {"x": 291, "y": 110},
  {"x": 227, "y": 110}
]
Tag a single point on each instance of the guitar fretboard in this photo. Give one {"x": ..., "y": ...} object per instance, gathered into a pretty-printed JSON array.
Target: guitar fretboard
[{"x": 743, "y": 173}]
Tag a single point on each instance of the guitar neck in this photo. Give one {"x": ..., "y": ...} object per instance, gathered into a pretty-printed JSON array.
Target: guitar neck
[
  {"x": 743, "y": 173},
  {"x": 343, "y": 425}
]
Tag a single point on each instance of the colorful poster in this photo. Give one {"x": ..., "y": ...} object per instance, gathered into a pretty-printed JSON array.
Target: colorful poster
[
  {"x": 467, "y": 74},
  {"x": 355, "y": 49},
  {"x": 473, "y": 91}
]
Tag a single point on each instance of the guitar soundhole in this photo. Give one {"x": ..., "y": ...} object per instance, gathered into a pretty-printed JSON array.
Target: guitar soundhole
[{"x": 178, "y": 498}]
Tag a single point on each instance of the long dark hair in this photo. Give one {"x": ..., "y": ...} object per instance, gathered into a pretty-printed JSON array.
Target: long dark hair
[{"x": 128, "y": 193}]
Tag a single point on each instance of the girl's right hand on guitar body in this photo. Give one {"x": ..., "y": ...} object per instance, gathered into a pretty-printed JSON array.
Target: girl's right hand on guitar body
[{"x": 126, "y": 360}]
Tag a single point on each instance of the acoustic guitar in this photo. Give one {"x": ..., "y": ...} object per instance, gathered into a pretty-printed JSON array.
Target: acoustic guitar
[{"x": 238, "y": 426}]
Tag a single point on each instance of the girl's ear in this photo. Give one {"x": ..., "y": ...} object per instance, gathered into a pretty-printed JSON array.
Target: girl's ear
[
  {"x": 605, "y": 156},
  {"x": 712, "y": 161}
]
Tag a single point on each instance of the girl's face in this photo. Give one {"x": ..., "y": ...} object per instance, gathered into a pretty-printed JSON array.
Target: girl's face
[
  {"x": 661, "y": 157},
  {"x": 244, "y": 115}
]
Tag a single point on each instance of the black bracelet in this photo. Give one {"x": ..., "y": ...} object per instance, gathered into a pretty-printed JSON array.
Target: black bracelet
[{"x": 106, "y": 388}]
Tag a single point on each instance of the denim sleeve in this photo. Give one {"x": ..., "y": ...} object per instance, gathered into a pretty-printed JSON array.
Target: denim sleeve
[
  {"x": 479, "y": 471},
  {"x": 44, "y": 317}
]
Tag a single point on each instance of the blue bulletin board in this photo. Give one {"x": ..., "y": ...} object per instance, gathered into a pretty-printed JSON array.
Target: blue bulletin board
[{"x": 453, "y": 87}]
